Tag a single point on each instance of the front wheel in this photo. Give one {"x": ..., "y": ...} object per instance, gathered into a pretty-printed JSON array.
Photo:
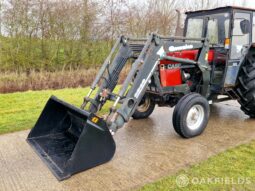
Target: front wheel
[
  {"x": 191, "y": 115},
  {"x": 144, "y": 109}
]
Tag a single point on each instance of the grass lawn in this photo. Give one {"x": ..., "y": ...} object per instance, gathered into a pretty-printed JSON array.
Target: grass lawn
[
  {"x": 232, "y": 170},
  {"x": 19, "y": 111}
]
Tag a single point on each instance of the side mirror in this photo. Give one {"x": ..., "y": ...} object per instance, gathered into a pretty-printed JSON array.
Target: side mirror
[{"x": 245, "y": 26}]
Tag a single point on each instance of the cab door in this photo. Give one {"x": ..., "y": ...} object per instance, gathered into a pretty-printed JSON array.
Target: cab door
[{"x": 239, "y": 39}]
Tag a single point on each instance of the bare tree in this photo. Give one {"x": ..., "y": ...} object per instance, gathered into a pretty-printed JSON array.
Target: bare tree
[
  {"x": 1, "y": 4},
  {"x": 61, "y": 33}
]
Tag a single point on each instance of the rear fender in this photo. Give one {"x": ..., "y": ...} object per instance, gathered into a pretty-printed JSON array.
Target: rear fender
[{"x": 234, "y": 66}]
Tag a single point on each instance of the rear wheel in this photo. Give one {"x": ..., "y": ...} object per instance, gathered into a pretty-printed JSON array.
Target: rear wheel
[
  {"x": 145, "y": 108},
  {"x": 191, "y": 115},
  {"x": 246, "y": 89}
]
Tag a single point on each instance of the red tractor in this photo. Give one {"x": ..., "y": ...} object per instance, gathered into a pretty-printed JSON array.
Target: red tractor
[{"x": 215, "y": 57}]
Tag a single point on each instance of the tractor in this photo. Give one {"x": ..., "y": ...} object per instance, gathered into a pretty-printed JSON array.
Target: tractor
[{"x": 213, "y": 61}]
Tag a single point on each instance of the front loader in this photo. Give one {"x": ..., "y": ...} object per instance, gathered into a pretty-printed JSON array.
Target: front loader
[
  {"x": 71, "y": 139},
  {"x": 186, "y": 72}
]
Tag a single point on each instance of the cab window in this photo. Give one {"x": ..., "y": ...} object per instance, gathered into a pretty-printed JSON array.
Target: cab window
[
  {"x": 253, "y": 27},
  {"x": 195, "y": 28},
  {"x": 216, "y": 25},
  {"x": 213, "y": 31},
  {"x": 239, "y": 38}
]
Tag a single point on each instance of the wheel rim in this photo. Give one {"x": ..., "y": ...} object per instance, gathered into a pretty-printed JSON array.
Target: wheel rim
[
  {"x": 144, "y": 106},
  {"x": 195, "y": 117}
]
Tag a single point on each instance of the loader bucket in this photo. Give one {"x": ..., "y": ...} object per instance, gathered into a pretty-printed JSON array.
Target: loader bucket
[{"x": 70, "y": 140}]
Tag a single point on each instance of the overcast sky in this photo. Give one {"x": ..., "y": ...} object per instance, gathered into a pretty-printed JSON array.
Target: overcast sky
[{"x": 248, "y": 3}]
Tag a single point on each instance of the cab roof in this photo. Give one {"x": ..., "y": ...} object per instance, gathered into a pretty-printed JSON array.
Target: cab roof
[{"x": 219, "y": 9}]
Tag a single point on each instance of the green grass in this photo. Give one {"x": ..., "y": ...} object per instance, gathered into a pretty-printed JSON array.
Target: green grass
[
  {"x": 237, "y": 164},
  {"x": 19, "y": 111}
]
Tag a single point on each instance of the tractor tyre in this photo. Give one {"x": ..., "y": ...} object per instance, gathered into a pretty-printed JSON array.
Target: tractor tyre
[
  {"x": 246, "y": 89},
  {"x": 191, "y": 115},
  {"x": 144, "y": 109},
  {"x": 177, "y": 109}
]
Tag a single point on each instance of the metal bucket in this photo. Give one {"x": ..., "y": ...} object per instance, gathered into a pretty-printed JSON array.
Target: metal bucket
[{"x": 70, "y": 140}]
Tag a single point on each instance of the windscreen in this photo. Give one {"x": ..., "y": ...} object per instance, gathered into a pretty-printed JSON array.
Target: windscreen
[{"x": 216, "y": 26}]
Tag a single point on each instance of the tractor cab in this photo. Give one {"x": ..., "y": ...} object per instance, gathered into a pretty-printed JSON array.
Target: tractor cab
[{"x": 230, "y": 30}]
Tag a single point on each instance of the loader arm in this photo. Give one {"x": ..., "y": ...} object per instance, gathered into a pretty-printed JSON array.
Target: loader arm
[
  {"x": 145, "y": 65},
  {"x": 110, "y": 71}
]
